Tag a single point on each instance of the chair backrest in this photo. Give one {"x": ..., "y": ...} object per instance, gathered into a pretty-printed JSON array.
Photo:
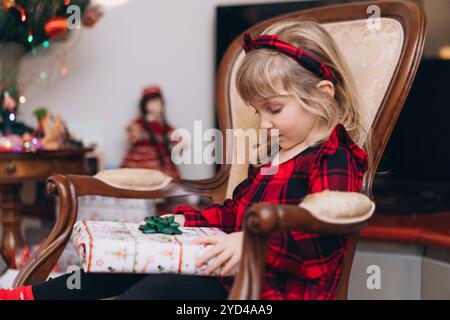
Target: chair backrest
[{"x": 382, "y": 60}]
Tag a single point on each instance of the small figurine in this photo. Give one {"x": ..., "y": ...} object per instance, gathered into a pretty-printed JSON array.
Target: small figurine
[
  {"x": 52, "y": 131},
  {"x": 149, "y": 136}
]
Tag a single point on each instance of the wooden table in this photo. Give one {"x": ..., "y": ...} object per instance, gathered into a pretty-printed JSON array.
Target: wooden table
[{"x": 17, "y": 168}]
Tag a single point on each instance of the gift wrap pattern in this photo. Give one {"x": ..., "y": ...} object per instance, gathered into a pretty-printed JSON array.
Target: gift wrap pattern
[
  {"x": 105, "y": 209},
  {"x": 105, "y": 246}
]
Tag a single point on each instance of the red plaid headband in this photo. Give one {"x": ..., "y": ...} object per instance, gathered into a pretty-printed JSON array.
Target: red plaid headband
[{"x": 303, "y": 58}]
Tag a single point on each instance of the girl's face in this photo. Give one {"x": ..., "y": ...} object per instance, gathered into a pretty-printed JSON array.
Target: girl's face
[
  {"x": 287, "y": 115},
  {"x": 154, "y": 106}
]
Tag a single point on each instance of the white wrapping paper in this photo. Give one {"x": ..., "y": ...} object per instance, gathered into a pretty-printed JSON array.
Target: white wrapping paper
[{"x": 105, "y": 246}]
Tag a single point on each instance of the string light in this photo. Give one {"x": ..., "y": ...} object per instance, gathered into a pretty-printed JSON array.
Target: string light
[
  {"x": 444, "y": 53},
  {"x": 34, "y": 46},
  {"x": 64, "y": 71},
  {"x": 8, "y": 4}
]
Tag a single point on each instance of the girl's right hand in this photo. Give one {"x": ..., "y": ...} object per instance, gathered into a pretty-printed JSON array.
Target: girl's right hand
[{"x": 179, "y": 218}]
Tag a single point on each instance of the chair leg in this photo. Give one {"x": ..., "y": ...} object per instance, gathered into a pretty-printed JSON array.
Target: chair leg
[{"x": 45, "y": 258}]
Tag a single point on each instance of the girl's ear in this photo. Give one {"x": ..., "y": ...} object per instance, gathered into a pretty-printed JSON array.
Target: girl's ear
[{"x": 327, "y": 87}]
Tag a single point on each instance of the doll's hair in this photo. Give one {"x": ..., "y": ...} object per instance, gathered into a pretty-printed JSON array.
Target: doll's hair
[
  {"x": 148, "y": 129},
  {"x": 265, "y": 73}
]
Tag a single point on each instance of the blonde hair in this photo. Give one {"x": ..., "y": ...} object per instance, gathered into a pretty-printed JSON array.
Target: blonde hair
[{"x": 266, "y": 73}]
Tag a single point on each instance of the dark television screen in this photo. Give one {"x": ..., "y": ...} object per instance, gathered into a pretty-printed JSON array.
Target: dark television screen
[
  {"x": 419, "y": 147},
  {"x": 414, "y": 172}
]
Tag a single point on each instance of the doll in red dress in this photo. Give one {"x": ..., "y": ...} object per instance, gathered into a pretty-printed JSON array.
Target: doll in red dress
[{"x": 149, "y": 136}]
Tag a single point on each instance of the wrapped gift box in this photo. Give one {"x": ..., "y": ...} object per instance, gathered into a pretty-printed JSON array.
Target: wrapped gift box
[
  {"x": 105, "y": 246},
  {"x": 106, "y": 209}
]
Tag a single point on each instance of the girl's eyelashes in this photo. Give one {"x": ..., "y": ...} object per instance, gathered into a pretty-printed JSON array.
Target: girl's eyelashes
[
  {"x": 272, "y": 109},
  {"x": 275, "y": 110}
]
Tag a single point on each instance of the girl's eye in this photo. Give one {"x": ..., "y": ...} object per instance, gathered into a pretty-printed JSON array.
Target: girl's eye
[{"x": 274, "y": 111}]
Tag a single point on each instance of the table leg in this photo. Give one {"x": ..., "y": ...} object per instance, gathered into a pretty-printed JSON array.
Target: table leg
[{"x": 10, "y": 204}]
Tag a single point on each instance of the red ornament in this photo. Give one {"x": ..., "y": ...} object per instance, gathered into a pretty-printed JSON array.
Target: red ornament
[{"x": 55, "y": 26}]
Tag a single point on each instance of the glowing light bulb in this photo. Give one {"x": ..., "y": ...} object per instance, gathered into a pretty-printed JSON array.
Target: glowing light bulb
[
  {"x": 64, "y": 71},
  {"x": 12, "y": 117},
  {"x": 30, "y": 38},
  {"x": 444, "y": 52},
  {"x": 46, "y": 44},
  {"x": 22, "y": 99}
]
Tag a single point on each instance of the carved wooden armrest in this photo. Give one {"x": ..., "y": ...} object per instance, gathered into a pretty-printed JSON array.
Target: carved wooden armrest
[
  {"x": 122, "y": 183},
  {"x": 327, "y": 212}
]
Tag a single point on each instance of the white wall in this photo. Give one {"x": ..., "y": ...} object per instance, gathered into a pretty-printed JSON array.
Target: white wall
[
  {"x": 398, "y": 269},
  {"x": 169, "y": 42}
]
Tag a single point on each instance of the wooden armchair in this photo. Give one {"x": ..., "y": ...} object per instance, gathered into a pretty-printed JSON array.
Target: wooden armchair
[{"x": 383, "y": 61}]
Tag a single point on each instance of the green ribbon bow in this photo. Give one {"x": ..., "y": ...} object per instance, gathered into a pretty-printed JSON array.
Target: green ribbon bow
[{"x": 157, "y": 224}]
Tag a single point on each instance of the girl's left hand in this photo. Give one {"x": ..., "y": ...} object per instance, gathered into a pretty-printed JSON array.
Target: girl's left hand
[{"x": 227, "y": 250}]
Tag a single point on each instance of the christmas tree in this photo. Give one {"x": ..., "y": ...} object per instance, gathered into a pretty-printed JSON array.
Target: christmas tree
[{"x": 27, "y": 25}]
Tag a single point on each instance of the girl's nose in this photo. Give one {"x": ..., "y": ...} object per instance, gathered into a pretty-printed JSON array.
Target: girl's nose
[{"x": 265, "y": 124}]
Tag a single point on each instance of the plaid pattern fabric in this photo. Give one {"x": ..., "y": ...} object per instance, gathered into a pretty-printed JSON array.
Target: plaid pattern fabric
[
  {"x": 299, "y": 265},
  {"x": 273, "y": 42}
]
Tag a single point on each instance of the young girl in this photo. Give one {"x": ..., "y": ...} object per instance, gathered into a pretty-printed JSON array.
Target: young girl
[{"x": 297, "y": 82}]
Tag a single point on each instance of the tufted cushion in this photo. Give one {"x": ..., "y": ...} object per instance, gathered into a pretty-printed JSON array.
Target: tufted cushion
[
  {"x": 339, "y": 207},
  {"x": 135, "y": 179},
  {"x": 372, "y": 56}
]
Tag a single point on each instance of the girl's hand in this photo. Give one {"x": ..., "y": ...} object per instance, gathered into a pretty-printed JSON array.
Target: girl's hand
[{"x": 227, "y": 250}]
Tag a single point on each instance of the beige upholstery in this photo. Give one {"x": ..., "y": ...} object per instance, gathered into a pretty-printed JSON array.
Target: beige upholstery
[
  {"x": 339, "y": 207},
  {"x": 135, "y": 179},
  {"x": 372, "y": 56}
]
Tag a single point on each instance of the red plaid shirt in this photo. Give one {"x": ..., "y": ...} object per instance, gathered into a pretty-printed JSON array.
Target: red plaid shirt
[{"x": 299, "y": 265}]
